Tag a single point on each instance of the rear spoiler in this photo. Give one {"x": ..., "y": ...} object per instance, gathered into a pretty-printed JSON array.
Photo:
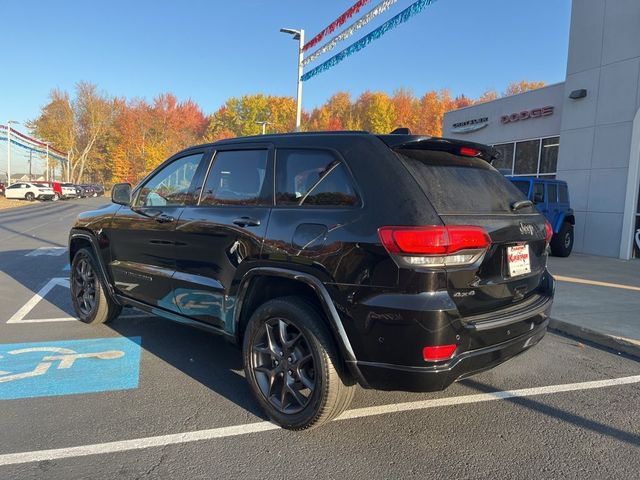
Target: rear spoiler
[{"x": 421, "y": 142}]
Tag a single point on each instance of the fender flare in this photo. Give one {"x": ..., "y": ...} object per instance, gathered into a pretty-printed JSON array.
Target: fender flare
[
  {"x": 560, "y": 220},
  {"x": 321, "y": 292},
  {"x": 94, "y": 246}
]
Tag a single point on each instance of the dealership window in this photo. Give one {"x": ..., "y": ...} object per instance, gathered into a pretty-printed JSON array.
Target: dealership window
[{"x": 536, "y": 157}]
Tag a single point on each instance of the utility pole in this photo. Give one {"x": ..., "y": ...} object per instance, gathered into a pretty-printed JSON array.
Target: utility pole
[
  {"x": 47, "y": 175},
  {"x": 30, "y": 160},
  {"x": 298, "y": 35}
]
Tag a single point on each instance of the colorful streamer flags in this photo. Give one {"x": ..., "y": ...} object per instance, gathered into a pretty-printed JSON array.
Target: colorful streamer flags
[
  {"x": 30, "y": 144},
  {"x": 355, "y": 8},
  {"x": 355, "y": 47}
]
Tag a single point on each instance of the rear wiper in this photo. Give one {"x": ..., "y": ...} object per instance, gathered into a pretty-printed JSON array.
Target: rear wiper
[{"x": 520, "y": 204}]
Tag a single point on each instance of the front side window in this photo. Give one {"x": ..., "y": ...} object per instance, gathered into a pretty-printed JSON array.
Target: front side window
[
  {"x": 171, "y": 186},
  {"x": 564, "y": 194},
  {"x": 313, "y": 178},
  {"x": 236, "y": 178}
]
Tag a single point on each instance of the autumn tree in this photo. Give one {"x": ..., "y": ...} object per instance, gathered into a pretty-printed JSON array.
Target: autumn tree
[
  {"x": 522, "y": 86},
  {"x": 76, "y": 125}
]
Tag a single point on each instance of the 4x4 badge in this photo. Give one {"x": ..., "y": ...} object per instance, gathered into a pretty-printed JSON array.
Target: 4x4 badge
[{"x": 527, "y": 229}]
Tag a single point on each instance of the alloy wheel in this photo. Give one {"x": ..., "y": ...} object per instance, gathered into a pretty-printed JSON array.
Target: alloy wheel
[
  {"x": 84, "y": 287},
  {"x": 284, "y": 366}
]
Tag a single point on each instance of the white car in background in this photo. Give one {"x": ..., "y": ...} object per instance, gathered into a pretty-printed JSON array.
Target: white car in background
[
  {"x": 68, "y": 190},
  {"x": 29, "y": 191}
]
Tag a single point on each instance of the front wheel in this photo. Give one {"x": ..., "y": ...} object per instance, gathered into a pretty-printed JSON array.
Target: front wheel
[
  {"x": 292, "y": 365},
  {"x": 562, "y": 242},
  {"x": 88, "y": 295}
]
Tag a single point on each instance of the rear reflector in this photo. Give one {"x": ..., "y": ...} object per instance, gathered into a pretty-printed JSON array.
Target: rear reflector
[
  {"x": 437, "y": 353},
  {"x": 433, "y": 240}
]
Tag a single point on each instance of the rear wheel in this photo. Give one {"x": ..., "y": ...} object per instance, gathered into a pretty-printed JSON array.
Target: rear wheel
[
  {"x": 292, "y": 365},
  {"x": 30, "y": 196},
  {"x": 562, "y": 242},
  {"x": 88, "y": 295}
]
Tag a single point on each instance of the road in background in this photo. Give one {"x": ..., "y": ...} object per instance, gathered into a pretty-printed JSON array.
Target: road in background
[{"x": 169, "y": 379}]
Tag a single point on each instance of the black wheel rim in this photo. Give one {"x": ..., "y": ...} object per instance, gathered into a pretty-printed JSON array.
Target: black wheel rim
[
  {"x": 84, "y": 287},
  {"x": 283, "y": 366}
]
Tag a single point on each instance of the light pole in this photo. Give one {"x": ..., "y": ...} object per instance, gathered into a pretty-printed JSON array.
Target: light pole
[
  {"x": 298, "y": 35},
  {"x": 264, "y": 124},
  {"x": 9, "y": 150}
]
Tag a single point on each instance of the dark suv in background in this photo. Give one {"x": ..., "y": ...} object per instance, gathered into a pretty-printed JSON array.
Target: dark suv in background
[{"x": 397, "y": 262}]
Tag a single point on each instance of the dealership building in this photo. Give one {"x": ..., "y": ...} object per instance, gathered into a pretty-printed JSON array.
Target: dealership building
[{"x": 585, "y": 130}]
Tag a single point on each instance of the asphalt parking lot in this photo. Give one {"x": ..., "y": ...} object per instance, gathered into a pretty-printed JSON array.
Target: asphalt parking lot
[{"x": 144, "y": 397}]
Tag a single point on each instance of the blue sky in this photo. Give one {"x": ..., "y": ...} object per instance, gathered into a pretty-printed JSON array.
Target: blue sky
[{"x": 211, "y": 50}]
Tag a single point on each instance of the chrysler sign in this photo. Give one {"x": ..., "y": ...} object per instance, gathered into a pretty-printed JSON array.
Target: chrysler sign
[
  {"x": 527, "y": 114},
  {"x": 470, "y": 125}
]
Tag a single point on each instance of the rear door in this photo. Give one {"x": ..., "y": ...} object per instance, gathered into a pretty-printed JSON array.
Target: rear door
[
  {"x": 553, "y": 207},
  {"x": 221, "y": 236},
  {"x": 468, "y": 191}
]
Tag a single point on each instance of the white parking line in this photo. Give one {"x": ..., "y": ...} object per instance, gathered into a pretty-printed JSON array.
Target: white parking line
[
  {"x": 236, "y": 430},
  {"x": 596, "y": 283}
]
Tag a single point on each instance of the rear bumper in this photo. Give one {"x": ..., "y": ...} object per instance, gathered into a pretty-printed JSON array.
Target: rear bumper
[{"x": 382, "y": 376}]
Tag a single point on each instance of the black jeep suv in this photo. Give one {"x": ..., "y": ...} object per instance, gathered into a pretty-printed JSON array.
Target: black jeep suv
[{"x": 397, "y": 262}]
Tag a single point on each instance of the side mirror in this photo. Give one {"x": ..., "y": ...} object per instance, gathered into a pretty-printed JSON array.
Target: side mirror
[{"x": 121, "y": 194}]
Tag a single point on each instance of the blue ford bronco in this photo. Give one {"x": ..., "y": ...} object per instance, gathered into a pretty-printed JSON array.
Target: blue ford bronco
[{"x": 551, "y": 198}]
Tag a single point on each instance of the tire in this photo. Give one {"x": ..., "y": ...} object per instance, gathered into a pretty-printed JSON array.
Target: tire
[
  {"x": 29, "y": 196},
  {"x": 88, "y": 294},
  {"x": 309, "y": 365},
  {"x": 562, "y": 242}
]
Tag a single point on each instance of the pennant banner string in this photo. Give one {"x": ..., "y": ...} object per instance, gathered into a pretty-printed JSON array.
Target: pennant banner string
[
  {"x": 377, "y": 10},
  {"x": 399, "y": 19},
  {"x": 355, "y": 8}
]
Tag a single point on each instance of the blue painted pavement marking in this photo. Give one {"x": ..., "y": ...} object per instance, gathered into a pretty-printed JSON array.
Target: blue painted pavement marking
[{"x": 68, "y": 367}]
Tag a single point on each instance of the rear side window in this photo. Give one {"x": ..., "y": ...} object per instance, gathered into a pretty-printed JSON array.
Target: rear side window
[
  {"x": 313, "y": 178},
  {"x": 552, "y": 191},
  {"x": 461, "y": 185},
  {"x": 564, "y": 194},
  {"x": 523, "y": 187},
  {"x": 236, "y": 178}
]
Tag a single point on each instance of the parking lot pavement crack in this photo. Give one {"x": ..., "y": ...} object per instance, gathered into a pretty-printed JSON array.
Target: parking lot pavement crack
[{"x": 150, "y": 472}]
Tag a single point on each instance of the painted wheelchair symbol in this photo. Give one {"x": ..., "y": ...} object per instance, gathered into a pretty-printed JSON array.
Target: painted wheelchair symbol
[{"x": 65, "y": 356}]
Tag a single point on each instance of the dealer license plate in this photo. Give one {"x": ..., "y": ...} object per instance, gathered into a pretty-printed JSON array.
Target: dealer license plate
[{"x": 518, "y": 260}]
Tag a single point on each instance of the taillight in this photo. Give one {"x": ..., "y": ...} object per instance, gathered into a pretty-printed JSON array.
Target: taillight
[
  {"x": 469, "y": 152},
  {"x": 435, "y": 245},
  {"x": 438, "y": 353},
  {"x": 548, "y": 232}
]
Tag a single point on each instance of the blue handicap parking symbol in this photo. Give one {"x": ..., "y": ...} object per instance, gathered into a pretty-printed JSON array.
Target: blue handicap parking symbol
[{"x": 67, "y": 367}]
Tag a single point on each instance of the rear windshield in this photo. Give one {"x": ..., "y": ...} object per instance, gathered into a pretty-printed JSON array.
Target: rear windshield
[
  {"x": 461, "y": 185},
  {"x": 522, "y": 186}
]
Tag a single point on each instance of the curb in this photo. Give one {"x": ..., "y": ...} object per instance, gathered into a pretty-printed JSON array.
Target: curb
[{"x": 619, "y": 344}]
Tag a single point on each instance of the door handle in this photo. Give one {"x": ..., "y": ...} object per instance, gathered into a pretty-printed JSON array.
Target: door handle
[
  {"x": 163, "y": 218},
  {"x": 246, "y": 222}
]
